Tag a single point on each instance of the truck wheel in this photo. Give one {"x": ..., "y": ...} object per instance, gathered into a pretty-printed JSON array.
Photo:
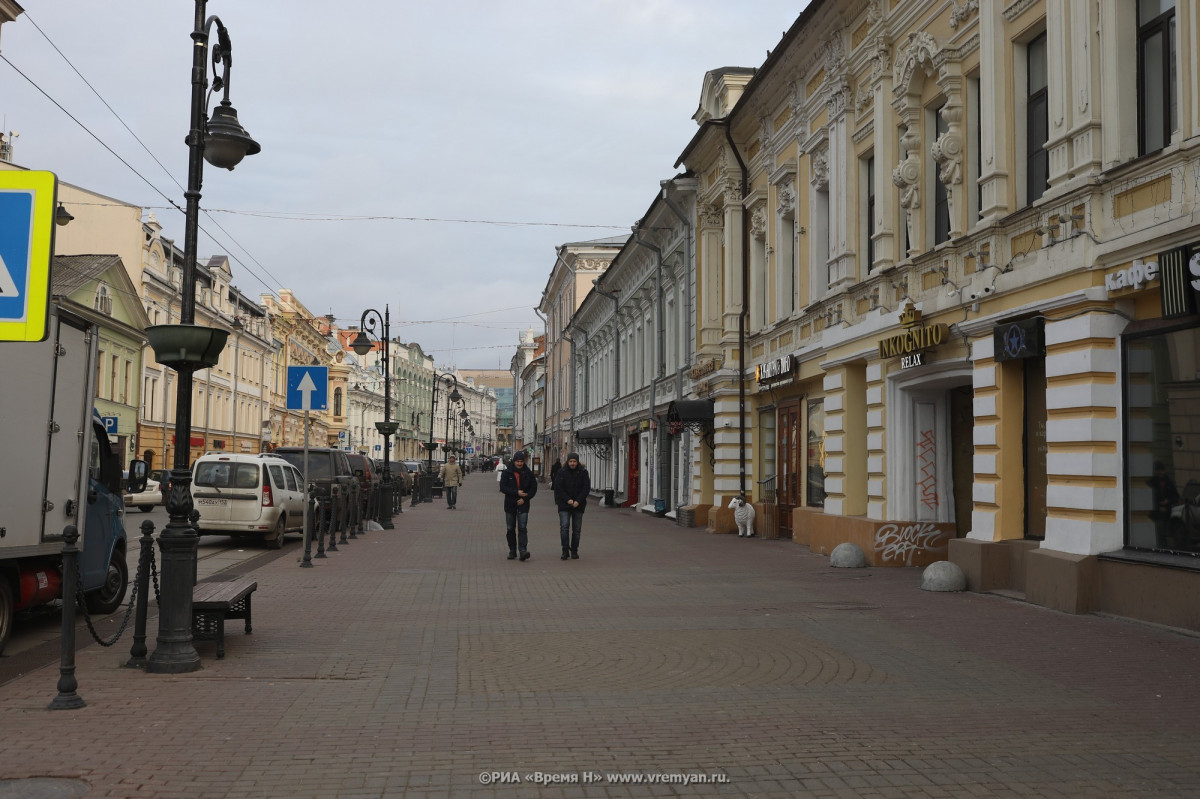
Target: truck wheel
[
  {"x": 276, "y": 540},
  {"x": 110, "y": 596},
  {"x": 6, "y": 611}
]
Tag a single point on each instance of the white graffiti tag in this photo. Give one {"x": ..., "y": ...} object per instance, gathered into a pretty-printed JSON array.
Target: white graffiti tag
[{"x": 896, "y": 544}]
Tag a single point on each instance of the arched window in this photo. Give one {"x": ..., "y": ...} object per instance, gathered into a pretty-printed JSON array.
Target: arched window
[
  {"x": 337, "y": 402},
  {"x": 103, "y": 301}
]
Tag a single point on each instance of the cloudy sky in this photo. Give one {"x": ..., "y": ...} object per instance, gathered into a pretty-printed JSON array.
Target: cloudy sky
[{"x": 428, "y": 155}]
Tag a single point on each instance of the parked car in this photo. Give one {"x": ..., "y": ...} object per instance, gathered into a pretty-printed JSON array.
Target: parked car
[
  {"x": 154, "y": 494},
  {"x": 365, "y": 470},
  {"x": 259, "y": 495},
  {"x": 327, "y": 468},
  {"x": 403, "y": 475}
]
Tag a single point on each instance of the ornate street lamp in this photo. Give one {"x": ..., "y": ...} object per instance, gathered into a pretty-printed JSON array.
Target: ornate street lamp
[
  {"x": 186, "y": 347},
  {"x": 454, "y": 397},
  {"x": 387, "y": 428}
]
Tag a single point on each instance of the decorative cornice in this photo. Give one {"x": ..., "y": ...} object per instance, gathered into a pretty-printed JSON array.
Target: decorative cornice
[
  {"x": 921, "y": 49},
  {"x": 1017, "y": 9},
  {"x": 960, "y": 14}
]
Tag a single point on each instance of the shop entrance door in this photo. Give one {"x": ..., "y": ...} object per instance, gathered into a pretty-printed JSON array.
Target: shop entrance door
[
  {"x": 635, "y": 471},
  {"x": 788, "y": 441}
]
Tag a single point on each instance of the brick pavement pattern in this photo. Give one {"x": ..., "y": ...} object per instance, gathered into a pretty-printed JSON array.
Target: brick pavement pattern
[{"x": 413, "y": 661}]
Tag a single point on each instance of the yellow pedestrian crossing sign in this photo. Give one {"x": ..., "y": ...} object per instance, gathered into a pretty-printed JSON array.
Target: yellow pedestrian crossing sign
[{"x": 27, "y": 202}]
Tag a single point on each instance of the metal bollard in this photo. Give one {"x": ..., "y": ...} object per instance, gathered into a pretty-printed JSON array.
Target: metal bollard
[
  {"x": 137, "y": 653},
  {"x": 334, "y": 498},
  {"x": 67, "y": 698},
  {"x": 344, "y": 516},
  {"x": 307, "y": 563},
  {"x": 397, "y": 495},
  {"x": 353, "y": 510},
  {"x": 319, "y": 529}
]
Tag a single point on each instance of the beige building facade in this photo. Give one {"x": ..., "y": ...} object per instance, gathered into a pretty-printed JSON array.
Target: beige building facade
[{"x": 947, "y": 291}]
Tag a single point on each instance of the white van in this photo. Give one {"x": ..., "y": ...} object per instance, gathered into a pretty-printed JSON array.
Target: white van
[{"x": 261, "y": 495}]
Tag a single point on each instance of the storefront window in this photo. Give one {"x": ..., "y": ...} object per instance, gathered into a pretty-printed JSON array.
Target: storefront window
[
  {"x": 768, "y": 481},
  {"x": 1162, "y": 441},
  {"x": 815, "y": 495}
]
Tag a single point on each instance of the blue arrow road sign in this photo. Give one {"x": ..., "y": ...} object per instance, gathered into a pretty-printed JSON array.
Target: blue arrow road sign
[
  {"x": 308, "y": 388},
  {"x": 26, "y": 241}
]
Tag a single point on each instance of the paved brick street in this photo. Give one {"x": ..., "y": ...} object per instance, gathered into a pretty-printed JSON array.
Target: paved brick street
[{"x": 417, "y": 659}]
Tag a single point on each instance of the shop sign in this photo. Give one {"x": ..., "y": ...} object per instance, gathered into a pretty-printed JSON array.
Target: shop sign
[
  {"x": 910, "y": 345},
  {"x": 1179, "y": 273},
  {"x": 771, "y": 370},
  {"x": 707, "y": 366},
  {"x": 1133, "y": 277},
  {"x": 1016, "y": 340}
]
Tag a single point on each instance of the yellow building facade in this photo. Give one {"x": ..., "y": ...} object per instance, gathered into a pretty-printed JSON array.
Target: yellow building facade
[{"x": 946, "y": 293}]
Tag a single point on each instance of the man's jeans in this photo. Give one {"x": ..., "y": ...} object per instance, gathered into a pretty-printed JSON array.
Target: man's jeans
[
  {"x": 518, "y": 530},
  {"x": 451, "y": 496},
  {"x": 570, "y": 520}
]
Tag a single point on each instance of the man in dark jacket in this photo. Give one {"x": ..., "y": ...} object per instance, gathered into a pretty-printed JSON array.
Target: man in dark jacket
[
  {"x": 518, "y": 485},
  {"x": 571, "y": 488}
]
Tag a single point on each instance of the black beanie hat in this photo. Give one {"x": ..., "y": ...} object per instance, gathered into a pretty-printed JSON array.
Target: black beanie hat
[
  {"x": 574, "y": 455},
  {"x": 520, "y": 456}
]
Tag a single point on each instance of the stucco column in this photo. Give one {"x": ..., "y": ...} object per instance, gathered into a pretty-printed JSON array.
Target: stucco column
[
  {"x": 999, "y": 486},
  {"x": 884, "y": 142},
  {"x": 734, "y": 219},
  {"x": 711, "y": 288},
  {"x": 994, "y": 69}
]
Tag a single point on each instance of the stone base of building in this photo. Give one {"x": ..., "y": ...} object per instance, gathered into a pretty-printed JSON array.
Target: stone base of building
[
  {"x": 885, "y": 543},
  {"x": 1146, "y": 589}
]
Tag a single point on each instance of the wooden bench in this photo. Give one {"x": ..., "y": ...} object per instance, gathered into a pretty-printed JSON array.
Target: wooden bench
[{"x": 213, "y": 603}]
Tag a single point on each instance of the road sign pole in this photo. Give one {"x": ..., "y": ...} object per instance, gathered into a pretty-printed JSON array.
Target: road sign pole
[{"x": 307, "y": 562}]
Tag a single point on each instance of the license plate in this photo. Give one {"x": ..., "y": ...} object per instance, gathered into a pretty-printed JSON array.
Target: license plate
[{"x": 218, "y": 502}]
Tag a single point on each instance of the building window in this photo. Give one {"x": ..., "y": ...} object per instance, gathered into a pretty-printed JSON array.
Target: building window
[
  {"x": 786, "y": 266},
  {"x": 869, "y": 214},
  {"x": 941, "y": 195},
  {"x": 1156, "y": 74},
  {"x": 1037, "y": 121},
  {"x": 1162, "y": 447},
  {"x": 814, "y": 494},
  {"x": 103, "y": 300},
  {"x": 337, "y": 402}
]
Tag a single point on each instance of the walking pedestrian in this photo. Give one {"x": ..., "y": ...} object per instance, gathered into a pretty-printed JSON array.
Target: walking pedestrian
[
  {"x": 518, "y": 485},
  {"x": 571, "y": 488},
  {"x": 554, "y": 467},
  {"x": 451, "y": 476}
]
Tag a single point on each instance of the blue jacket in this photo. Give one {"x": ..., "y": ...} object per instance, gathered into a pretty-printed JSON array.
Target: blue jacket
[{"x": 513, "y": 480}]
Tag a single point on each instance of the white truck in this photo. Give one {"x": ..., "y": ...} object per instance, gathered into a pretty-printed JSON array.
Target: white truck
[{"x": 58, "y": 469}]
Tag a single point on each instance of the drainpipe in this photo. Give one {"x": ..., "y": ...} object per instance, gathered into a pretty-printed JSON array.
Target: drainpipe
[
  {"x": 688, "y": 310},
  {"x": 545, "y": 327},
  {"x": 659, "y": 365},
  {"x": 571, "y": 415},
  {"x": 612, "y": 295},
  {"x": 742, "y": 317}
]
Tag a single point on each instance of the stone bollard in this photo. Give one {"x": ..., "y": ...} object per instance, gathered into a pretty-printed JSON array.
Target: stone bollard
[
  {"x": 943, "y": 576},
  {"x": 847, "y": 556}
]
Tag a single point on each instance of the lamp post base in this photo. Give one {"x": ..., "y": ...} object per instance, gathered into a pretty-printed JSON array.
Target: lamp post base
[{"x": 175, "y": 653}]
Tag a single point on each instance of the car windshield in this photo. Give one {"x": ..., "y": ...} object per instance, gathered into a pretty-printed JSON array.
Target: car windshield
[
  {"x": 220, "y": 474},
  {"x": 318, "y": 463}
]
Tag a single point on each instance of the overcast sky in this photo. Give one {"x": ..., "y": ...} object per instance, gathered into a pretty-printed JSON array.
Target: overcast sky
[{"x": 540, "y": 122}]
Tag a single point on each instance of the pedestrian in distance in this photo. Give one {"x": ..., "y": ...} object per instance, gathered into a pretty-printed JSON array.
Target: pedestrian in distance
[
  {"x": 518, "y": 485},
  {"x": 451, "y": 476},
  {"x": 500, "y": 469},
  {"x": 572, "y": 485},
  {"x": 554, "y": 467}
]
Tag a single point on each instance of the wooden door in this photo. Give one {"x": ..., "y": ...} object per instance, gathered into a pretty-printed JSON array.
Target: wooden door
[
  {"x": 635, "y": 472},
  {"x": 788, "y": 449}
]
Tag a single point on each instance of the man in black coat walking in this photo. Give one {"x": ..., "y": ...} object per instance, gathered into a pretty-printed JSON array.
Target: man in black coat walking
[
  {"x": 571, "y": 488},
  {"x": 518, "y": 485}
]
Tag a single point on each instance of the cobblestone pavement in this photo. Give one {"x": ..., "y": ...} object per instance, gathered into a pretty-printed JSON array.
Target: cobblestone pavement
[{"x": 420, "y": 662}]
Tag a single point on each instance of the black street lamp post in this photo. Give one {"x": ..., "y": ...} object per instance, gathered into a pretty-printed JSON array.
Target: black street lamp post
[
  {"x": 387, "y": 428},
  {"x": 187, "y": 347},
  {"x": 454, "y": 397}
]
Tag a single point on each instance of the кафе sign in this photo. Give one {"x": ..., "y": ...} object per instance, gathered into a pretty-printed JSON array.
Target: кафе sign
[{"x": 910, "y": 345}]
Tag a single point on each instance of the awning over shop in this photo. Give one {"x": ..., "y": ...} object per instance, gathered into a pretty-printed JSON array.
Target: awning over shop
[
  {"x": 691, "y": 412},
  {"x": 595, "y": 435}
]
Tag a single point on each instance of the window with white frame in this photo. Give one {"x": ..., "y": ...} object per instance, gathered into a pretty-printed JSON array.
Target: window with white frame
[
  {"x": 868, "y": 211},
  {"x": 785, "y": 265},
  {"x": 103, "y": 300},
  {"x": 1157, "y": 103},
  {"x": 1037, "y": 120}
]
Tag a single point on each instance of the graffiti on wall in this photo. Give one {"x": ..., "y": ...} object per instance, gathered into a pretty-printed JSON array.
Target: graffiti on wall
[
  {"x": 911, "y": 543},
  {"x": 927, "y": 470}
]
